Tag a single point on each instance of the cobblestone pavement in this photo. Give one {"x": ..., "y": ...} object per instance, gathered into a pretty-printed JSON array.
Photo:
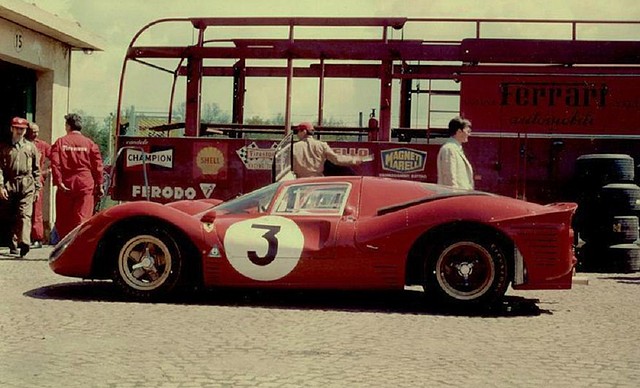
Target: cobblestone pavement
[{"x": 63, "y": 332}]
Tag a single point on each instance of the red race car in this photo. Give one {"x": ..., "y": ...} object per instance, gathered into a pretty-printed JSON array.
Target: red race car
[{"x": 463, "y": 247}]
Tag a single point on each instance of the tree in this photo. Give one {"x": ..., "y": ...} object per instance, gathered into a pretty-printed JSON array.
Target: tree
[
  {"x": 98, "y": 132},
  {"x": 210, "y": 112}
]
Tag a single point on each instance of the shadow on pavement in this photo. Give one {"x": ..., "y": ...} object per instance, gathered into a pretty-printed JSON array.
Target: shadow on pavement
[
  {"x": 403, "y": 302},
  {"x": 624, "y": 279},
  {"x": 35, "y": 254}
]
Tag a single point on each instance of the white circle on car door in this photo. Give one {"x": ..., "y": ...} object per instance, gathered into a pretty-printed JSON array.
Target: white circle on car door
[{"x": 264, "y": 248}]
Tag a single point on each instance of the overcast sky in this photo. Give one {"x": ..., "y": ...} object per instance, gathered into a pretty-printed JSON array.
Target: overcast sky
[{"x": 95, "y": 77}]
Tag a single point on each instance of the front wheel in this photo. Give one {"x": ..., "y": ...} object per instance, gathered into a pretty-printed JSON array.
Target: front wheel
[
  {"x": 148, "y": 264},
  {"x": 467, "y": 271}
]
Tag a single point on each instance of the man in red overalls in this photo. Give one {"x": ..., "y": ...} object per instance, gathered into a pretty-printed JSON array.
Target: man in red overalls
[
  {"x": 44, "y": 149},
  {"x": 76, "y": 166}
]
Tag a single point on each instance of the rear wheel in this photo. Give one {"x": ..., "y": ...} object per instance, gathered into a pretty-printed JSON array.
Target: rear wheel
[
  {"x": 467, "y": 271},
  {"x": 148, "y": 264}
]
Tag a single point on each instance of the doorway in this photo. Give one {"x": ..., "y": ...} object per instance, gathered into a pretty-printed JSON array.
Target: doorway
[
  {"x": 17, "y": 94},
  {"x": 17, "y": 98}
]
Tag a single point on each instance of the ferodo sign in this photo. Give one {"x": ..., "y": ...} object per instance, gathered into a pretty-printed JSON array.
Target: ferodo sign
[{"x": 163, "y": 192}]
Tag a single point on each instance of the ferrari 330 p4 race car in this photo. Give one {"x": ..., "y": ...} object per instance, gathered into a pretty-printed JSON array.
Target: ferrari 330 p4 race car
[{"x": 463, "y": 247}]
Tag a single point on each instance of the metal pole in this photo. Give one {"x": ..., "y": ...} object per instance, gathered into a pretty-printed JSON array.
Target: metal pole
[
  {"x": 287, "y": 115},
  {"x": 321, "y": 94}
]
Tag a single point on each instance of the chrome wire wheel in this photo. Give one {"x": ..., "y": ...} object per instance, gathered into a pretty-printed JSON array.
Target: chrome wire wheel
[
  {"x": 465, "y": 270},
  {"x": 144, "y": 263}
]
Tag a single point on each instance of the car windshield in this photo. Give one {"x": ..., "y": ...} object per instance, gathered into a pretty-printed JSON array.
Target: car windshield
[{"x": 255, "y": 202}]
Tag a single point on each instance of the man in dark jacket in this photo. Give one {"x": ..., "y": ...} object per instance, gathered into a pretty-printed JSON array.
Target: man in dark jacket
[{"x": 19, "y": 183}]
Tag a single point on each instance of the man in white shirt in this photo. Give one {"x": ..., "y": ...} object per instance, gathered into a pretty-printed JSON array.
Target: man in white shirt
[
  {"x": 454, "y": 168},
  {"x": 309, "y": 154}
]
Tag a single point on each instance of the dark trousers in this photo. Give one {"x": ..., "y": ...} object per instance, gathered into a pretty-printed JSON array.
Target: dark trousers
[{"x": 19, "y": 208}]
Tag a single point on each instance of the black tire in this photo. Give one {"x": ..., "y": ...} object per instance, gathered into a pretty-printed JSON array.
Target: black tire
[
  {"x": 610, "y": 230},
  {"x": 467, "y": 271},
  {"x": 619, "y": 258},
  {"x": 620, "y": 198},
  {"x": 625, "y": 258},
  {"x": 597, "y": 170},
  {"x": 147, "y": 263}
]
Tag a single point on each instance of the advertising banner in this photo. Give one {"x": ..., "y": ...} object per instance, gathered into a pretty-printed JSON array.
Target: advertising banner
[{"x": 552, "y": 104}]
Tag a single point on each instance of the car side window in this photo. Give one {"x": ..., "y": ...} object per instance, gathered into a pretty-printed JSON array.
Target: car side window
[{"x": 313, "y": 199}]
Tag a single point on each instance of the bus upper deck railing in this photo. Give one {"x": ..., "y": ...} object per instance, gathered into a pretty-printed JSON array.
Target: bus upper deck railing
[
  {"x": 236, "y": 130},
  {"x": 396, "y": 49}
]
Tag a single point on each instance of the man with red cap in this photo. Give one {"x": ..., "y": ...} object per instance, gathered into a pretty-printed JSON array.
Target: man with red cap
[
  {"x": 76, "y": 166},
  {"x": 309, "y": 154},
  {"x": 44, "y": 150},
  {"x": 19, "y": 183}
]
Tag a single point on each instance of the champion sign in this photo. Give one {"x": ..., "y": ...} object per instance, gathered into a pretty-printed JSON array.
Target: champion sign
[
  {"x": 162, "y": 158},
  {"x": 403, "y": 160}
]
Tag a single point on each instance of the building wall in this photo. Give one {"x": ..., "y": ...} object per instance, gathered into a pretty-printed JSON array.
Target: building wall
[{"x": 51, "y": 59}]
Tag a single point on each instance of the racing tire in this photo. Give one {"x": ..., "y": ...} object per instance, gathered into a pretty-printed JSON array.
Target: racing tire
[
  {"x": 148, "y": 264},
  {"x": 597, "y": 170},
  {"x": 620, "y": 198},
  {"x": 467, "y": 271},
  {"x": 610, "y": 230},
  {"x": 625, "y": 258},
  {"x": 619, "y": 258}
]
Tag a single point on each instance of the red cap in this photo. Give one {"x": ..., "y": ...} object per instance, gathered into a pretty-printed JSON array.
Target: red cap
[
  {"x": 305, "y": 126},
  {"x": 19, "y": 122}
]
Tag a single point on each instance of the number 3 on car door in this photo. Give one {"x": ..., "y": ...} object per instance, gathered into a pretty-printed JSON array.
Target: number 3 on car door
[
  {"x": 265, "y": 248},
  {"x": 272, "y": 250}
]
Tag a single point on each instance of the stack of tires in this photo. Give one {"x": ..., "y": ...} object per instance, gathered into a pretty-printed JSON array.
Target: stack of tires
[{"x": 607, "y": 217}]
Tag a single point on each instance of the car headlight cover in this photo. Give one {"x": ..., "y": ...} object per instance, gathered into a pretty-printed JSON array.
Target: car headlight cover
[{"x": 63, "y": 244}]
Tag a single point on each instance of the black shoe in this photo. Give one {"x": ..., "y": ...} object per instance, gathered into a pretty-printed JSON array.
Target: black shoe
[
  {"x": 14, "y": 251},
  {"x": 24, "y": 249},
  {"x": 36, "y": 245}
]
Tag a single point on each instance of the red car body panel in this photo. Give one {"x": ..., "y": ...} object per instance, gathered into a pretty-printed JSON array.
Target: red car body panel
[
  {"x": 77, "y": 259},
  {"x": 363, "y": 244}
]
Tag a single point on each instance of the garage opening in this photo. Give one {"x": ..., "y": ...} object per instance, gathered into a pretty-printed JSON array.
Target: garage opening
[
  {"x": 17, "y": 98},
  {"x": 17, "y": 94}
]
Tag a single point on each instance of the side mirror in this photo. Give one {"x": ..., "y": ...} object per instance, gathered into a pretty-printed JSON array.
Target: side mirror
[{"x": 209, "y": 217}]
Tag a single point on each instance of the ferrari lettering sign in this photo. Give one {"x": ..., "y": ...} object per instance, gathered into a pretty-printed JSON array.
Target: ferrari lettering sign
[
  {"x": 552, "y": 104},
  {"x": 569, "y": 94},
  {"x": 403, "y": 160},
  {"x": 162, "y": 158}
]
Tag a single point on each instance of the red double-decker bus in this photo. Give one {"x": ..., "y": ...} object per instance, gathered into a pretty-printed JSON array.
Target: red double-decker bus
[{"x": 539, "y": 93}]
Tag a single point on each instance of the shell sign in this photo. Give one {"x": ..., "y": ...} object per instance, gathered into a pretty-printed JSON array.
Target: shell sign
[{"x": 210, "y": 161}]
